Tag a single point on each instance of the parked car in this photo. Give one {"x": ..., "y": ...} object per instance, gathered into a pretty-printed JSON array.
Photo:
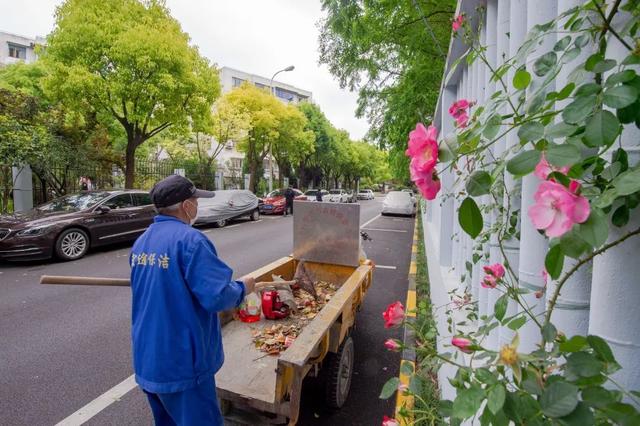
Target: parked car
[
  {"x": 69, "y": 226},
  {"x": 399, "y": 202},
  {"x": 337, "y": 196},
  {"x": 312, "y": 193},
  {"x": 366, "y": 194},
  {"x": 227, "y": 205},
  {"x": 274, "y": 201},
  {"x": 352, "y": 196}
]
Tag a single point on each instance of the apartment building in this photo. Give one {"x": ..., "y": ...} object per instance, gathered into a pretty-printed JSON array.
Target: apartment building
[{"x": 15, "y": 48}]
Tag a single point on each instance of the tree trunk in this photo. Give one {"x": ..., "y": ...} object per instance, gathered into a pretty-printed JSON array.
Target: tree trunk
[
  {"x": 130, "y": 164},
  {"x": 253, "y": 182}
]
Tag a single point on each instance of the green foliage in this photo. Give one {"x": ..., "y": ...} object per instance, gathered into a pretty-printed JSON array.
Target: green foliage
[
  {"x": 129, "y": 61},
  {"x": 393, "y": 55}
]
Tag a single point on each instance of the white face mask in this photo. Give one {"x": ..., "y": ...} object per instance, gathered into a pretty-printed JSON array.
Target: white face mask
[{"x": 192, "y": 220}]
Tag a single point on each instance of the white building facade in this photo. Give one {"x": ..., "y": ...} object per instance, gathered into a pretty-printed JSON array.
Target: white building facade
[
  {"x": 602, "y": 298},
  {"x": 15, "y": 48}
]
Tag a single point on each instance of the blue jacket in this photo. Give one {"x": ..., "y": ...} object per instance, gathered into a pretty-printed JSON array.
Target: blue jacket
[{"x": 178, "y": 284}]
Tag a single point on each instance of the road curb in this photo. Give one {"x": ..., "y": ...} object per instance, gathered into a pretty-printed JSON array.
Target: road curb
[{"x": 405, "y": 402}]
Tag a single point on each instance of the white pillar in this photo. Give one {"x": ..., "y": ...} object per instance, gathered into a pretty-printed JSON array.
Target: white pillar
[
  {"x": 22, "y": 188},
  {"x": 517, "y": 33},
  {"x": 496, "y": 17},
  {"x": 482, "y": 71},
  {"x": 571, "y": 313},
  {"x": 533, "y": 246},
  {"x": 448, "y": 96},
  {"x": 615, "y": 292}
]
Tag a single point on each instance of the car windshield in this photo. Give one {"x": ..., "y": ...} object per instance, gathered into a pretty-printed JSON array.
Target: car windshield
[
  {"x": 74, "y": 202},
  {"x": 334, "y": 191},
  {"x": 311, "y": 192},
  {"x": 364, "y": 191},
  {"x": 398, "y": 196},
  {"x": 275, "y": 193}
]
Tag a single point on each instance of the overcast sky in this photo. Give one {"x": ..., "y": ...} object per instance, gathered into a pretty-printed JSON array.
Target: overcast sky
[{"x": 256, "y": 36}]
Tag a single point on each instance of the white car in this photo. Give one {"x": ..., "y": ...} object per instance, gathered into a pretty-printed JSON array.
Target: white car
[
  {"x": 399, "y": 202},
  {"x": 365, "y": 194},
  {"x": 311, "y": 194},
  {"x": 410, "y": 191},
  {"x": 337, "y": 196}
]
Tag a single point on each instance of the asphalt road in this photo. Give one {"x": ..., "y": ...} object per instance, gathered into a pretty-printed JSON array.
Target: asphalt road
[{"x": 63, "y": 346}]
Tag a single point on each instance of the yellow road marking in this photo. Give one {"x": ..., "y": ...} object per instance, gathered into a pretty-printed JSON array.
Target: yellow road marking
[
  {"x": 411, "y": 303},
  {"x": 413, "y": 269},
  {"x": 404, "y": 401}
]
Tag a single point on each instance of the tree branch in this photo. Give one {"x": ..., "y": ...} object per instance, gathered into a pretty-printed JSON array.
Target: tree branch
[{"x": 158, "y": 129}]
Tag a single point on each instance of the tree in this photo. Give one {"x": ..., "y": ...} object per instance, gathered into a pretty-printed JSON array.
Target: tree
[
  {"x": 293, "y": 143},
  {"x": 393, "y": 54},
  {"x": 264, "y": 112},
  {"x": 309, "y": 169},
  {"x": 130, "y": 61},
  {"x": 228, "y": 124}
]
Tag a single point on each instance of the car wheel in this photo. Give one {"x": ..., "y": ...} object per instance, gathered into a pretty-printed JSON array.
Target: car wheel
[
  {"x": 221, "y": 223},
  {"x": 72, "y": 244},
  {"x": 255, "y": 215}
]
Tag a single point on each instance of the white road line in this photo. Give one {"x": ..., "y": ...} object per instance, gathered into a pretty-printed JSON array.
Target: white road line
[
  {"x": 255, "y": 221},
  {"x": 384, "y": 230},
  {"x": 369, "y": 221},
  {"x": 385, "y": 266},
  {"x": 232, "y": 226},
  {"x": 100, "y": 403}
]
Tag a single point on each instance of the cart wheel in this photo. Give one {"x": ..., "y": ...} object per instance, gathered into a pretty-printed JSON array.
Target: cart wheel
[{"x": 339, "y": 373}]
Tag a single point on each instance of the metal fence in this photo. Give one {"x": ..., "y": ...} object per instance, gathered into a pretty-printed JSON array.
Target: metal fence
[{"x": 54, "y": 181}]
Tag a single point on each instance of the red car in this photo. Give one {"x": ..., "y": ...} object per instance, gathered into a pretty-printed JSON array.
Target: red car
[{"x": 274, "y": 201}]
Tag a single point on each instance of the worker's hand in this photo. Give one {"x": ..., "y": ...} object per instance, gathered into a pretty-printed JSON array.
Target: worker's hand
[{"x": 249, "y": 285}]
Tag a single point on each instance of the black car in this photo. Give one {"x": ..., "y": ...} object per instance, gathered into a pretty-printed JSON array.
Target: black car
[{"x": 68, "y": 226}]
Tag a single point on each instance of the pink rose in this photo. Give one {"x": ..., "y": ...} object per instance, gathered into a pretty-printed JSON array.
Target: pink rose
[
  {"x": 459, "y": 107},
  {"x": 544, "y": 169},
  {"x": 392, "y": 345},
  {"x": 457, "y": 22},
  {"x": 557, "y": 209},
  {"x": 423, "y": 147},
  {"x": 462, "y": 120},
  {"x": 394, "y": 315},
  {"x": 402, "y": 387},
  {"x": 489, "y": 281},
  {"x": 462, "y": 344},
  {"x": 497, "y": 270},
  {"x": 427, "y": 182},
  {"x": 388, "y": 421}
]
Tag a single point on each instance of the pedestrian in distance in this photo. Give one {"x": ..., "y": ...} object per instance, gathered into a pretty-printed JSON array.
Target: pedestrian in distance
[
  {"x": 179, "y": 284},
  {"x": 319, "y": 195},
  {"x": 289, "y": 195}
]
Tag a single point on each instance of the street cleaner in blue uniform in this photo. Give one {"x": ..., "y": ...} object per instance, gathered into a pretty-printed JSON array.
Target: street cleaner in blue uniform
[{"x": 179, "y": 285}]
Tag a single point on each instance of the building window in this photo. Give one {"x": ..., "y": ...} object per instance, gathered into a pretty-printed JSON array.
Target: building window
[
  {"x": 18, "y": 52},
  {"x": 287, "y": 95},
  {"x": 235, "y": 82},
  {"x": 260, "y": 85}
]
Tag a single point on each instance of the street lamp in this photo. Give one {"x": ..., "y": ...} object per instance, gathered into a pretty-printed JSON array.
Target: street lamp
[{"x": 287, "y": 69}]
